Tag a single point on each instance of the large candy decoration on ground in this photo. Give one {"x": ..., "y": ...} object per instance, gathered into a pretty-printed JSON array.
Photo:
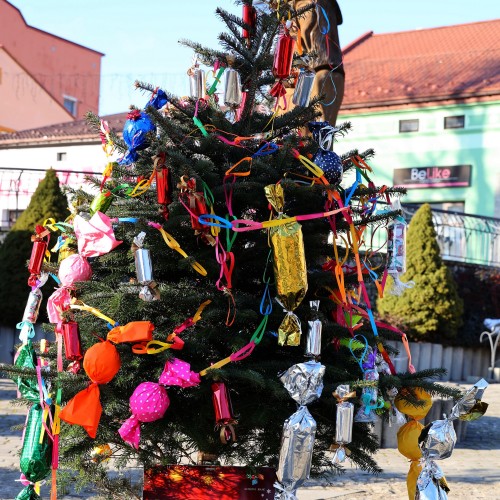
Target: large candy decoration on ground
[
  {"x": 409, "y": 433},
  {"x": 148, "y": 403},
  {"x": 290, "y": 270}
]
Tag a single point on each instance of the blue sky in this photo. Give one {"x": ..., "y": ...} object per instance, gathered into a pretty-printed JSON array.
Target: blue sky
[{"x": 140, "y": 38}]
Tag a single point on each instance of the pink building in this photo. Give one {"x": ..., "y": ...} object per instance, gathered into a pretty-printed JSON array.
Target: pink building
[{"x": 47, "y": 79}]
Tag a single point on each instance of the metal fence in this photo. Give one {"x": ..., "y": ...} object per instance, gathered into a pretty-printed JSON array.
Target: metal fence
[{"x": 464, "y": 238}]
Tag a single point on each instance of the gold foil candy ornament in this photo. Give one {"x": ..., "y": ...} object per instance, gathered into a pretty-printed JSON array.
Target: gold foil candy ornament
[{"x": 290, "y": 269}]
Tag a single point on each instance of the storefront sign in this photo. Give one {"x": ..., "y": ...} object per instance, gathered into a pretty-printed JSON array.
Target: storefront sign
[{"x": 430, "y": 177}]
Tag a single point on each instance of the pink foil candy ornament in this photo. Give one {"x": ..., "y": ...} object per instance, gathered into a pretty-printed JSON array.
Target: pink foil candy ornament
[
  {"x": 148, "y": 403},
  {"x": 95, "y": 237},
  {"x": 177, "y": 372},
  {"x": 74, "y": 268},
  {"x": 57, "y": 303}
]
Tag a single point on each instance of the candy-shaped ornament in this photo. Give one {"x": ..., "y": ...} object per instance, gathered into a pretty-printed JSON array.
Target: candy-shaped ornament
[
  {"x": 32, "y": 309},
  {"x": 370, "y": 400},
  {"x": 36, "y": 453},
  {"x": 135, "y": 134},
  {"x": 343, "y": 423},
  {"x": 70, "y": 332},
  {"x": 302, "y": 93},
  {"x": 197, "y": 84},
  {"x": 313, "y": 344},
  {"x": 95, "y": 237},
  {"x": 283, "y": 58},
  {"x": 250, "y": 19},
  {"x": 40, "y": 242},
  {"x": 304, "y": 383},
  {"x": 101, "y": 363},
  {"x": 148, "y": 403},
  {"x": 326, "y": 159},
  {"x": 101, "y": 202},
  {"x": 396, "y": 251},
  {"x": 290, "y": 269},
  {"x": 144, "y": 269},
  {"x": 195, "y": 203},
  {"x": 224, "y": 415}
]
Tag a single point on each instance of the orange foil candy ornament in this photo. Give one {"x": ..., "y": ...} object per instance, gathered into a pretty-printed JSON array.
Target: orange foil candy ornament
[{"x": 101, "y": 363}]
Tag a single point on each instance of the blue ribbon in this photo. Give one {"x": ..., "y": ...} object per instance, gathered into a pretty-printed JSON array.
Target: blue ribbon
[
  {"x": 205, "y": 219},
  {"x": 324, "y": 31},
  {"x": 267, "y": 149},
  {"x": 360, "y": 359},
  {"x": 27, "y": 330}
]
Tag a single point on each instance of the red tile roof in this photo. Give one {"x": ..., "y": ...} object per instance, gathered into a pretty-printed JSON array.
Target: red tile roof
[
  {"x": 74, "y": 131},
  {"x": 452, "y": 62}
]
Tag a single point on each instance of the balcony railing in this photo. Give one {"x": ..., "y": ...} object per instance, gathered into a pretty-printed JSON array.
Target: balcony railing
[{"x": 465, "y": 238}]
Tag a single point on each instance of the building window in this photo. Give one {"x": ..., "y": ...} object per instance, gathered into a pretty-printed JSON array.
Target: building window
[
  {"x": 70, "y": 104},
  {"x": 408, "y": 126},
  {"x": 61, "y": 156},
  {"x": 13, "y": 216},
  {"x": 454, "y": 121}
]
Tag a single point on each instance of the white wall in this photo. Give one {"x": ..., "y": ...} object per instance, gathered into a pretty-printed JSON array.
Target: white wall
[{"x": 88, "y": 158}]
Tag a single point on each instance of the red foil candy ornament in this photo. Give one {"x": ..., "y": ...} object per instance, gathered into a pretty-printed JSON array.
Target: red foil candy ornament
[
  {"x": 224, "y": 418},
  {"x": 283, "y": 56},
  {"x": 71, "y": 337},
  {"x": 37, "y": 253},
  {"x": 282, "y": 65},
  {"x": 250, "y": 18}
]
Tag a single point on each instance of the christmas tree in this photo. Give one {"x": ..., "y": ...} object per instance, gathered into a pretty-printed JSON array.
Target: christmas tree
[{"x": 216, "y": 231}]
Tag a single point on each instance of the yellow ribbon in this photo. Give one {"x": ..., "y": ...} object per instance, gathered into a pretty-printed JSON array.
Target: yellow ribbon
[
  {"x": 93, "y": 310},
  {"x": 215, "y": 366},
  {"x": 174, "y": 245}
]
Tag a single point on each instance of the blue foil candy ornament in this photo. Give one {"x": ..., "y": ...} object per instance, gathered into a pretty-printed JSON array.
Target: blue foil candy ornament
[
  {"x": 158, "y": 99},
  {"x": 135, "y": 131},
  {"x": 325, "y": 158}
]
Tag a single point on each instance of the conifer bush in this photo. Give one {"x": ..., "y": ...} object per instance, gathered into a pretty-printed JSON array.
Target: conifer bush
[
  {"x": 47, "y": 201},
  {"x": 432, "y": 309}
]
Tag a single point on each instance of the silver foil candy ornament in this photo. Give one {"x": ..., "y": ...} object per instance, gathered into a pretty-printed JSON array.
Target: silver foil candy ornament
[
  {"x": 431, "y": 484},
  {"x": 304, "y": 383},
  {"x": 302, "y": 92},
  {"x": 144, "y": 269},
  {"x": 197, "y": 85},
  {"x": 438, "y": 439},
  {"x": 396, "y": 251},
  {"x": 313, "y": 345},
  {"x": 232, "y": 89},
  {"x": 343, "y": 423}
]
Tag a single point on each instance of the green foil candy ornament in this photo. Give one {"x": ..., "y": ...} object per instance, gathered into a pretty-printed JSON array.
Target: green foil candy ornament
[
  {"x": 28, "y": 493},
  {"x": 101, "y": 203},
  {"x": 27, "y": 384},
  {"x": 36, "y": 457}
]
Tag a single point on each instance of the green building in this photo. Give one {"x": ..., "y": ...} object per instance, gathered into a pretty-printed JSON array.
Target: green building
[{"x": 428, "y": 102}]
